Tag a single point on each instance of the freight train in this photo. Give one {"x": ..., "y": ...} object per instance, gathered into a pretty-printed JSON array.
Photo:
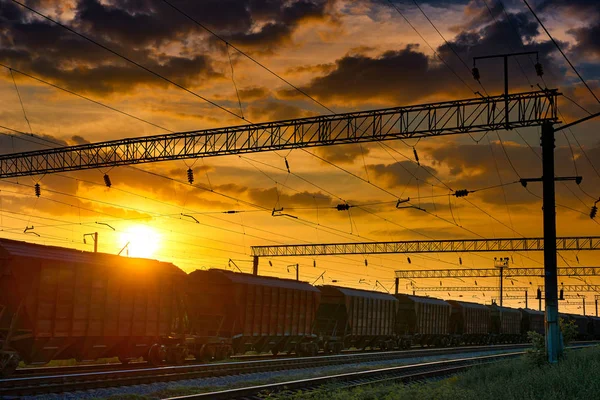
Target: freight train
[{"x": 58, "y": 303}]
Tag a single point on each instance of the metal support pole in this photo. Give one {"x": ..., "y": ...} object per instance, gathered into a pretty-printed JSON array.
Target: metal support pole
[
  {"x": 501, "y": 272},
  {"x": 95, "y": 242},
  {"x": 297, "y": 272},
  {"x": 255, "y": 265},
  {"x": 553, "y": 337},
  {"x": 396, "y": 283},
  {"x": 540, "y": 305},
  {"x": 526, "y": 299},
  {"x": 584, "y": 306},
  {"x": 506, "y": 96}
]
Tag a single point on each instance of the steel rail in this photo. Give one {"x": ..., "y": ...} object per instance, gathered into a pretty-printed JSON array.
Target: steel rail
[
  {"x": 404, "y": 373},
  {"x": 59, "y": 383}
]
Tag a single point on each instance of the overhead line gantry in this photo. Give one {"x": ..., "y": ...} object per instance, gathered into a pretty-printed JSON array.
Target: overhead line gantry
[{"x": 481, "y": 114}]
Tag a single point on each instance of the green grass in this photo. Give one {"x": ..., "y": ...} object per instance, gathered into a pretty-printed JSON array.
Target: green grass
[{"x": 575, "y": 377}]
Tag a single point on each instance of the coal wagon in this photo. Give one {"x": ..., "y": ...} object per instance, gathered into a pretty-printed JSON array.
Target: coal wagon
[
  {"x": 505, "y": 324},
  {"x": 58, "y": 303},
  {"x": 532, "y": 321},
  {"x": 594, "y": 328},
  {"x": 422, "y": 320},
  {"x": 470, "y": 323},
  {"x": 355, "y": 318},
  {"x": 252, "y": 313}
]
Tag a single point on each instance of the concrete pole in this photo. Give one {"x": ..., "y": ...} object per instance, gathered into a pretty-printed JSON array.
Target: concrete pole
[
  {"x": 553, "y": 337},
  {"x": 255, "y": 265}
]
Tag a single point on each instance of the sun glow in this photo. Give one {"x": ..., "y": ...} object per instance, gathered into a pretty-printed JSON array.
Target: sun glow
[{"x": 139, "y": 241}]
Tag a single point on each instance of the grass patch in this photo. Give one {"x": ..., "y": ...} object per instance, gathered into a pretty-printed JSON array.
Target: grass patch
[{"x": 575, "y": 377}]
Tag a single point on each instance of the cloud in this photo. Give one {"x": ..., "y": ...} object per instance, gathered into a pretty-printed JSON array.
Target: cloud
[
  {"x": 344, "y": 154},
  {"x": 401, "y": 174}
]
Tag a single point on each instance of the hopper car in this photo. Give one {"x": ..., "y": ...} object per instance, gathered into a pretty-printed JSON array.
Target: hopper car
[{"x": 58, "y": 303}]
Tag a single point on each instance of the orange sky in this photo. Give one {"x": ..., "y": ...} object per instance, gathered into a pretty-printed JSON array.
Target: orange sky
[{"x": 347, "y": 55}]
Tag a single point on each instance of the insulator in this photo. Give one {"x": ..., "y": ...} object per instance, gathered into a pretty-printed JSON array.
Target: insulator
[
  {"x": 107, "y": 181},
  {"x": 593, "y": 212},
  {"x": 408, "y": 259},
  {"x": 190, "y": 175},
  {"x": 287, "y": 165},
  {"x": 460, "y": 260},
  {"x": 475, "y": 72},
  {"x": 539, "y": 294},
  {"x": 38, "y": 190},
  {"x": 539, "y": 70},
  {"x": 461, "y": 193},
  {"x": 416, "y": 156},
  {"x": 562, "y": 295},
  {"x": 342, "y": 207},
  {"x": 366, "y": 263}
]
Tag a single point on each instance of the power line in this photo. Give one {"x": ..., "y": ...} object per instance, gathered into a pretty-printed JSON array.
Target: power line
[
  {"x": 561, "y": 52},
  {"x": 431, "y": 47},
  {"x": 129, "y": 60},
  {"x": 245, "y": 54}
]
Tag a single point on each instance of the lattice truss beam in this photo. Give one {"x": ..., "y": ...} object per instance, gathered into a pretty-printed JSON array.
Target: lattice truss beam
[
  {"x": 468, "y": 289},
  {"x": 577, "y": 288},
  {"x": 494, "y": 272},
  {"x": 445, "y": 118},
  {"x": 427, "y": 246}
]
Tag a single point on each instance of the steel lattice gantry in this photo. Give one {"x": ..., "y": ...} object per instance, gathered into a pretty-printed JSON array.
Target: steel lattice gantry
[
  {"x": 494, "y": 272},
  {"x": 427, "y": 246},
  {"x": 480, "y": 114},
  {"x": 467, "y": 289},
  {"x": 577, "y": 288}
]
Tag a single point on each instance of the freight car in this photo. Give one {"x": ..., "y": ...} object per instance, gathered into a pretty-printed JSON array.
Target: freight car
[
  {"x": 532, "y": 320},
  {"x": 355, "y": 318},
  {"x": 422, "y": 320},
  {"x": 505, "y": 324},
  {"x": 235, "y": 312},
  {"x": 594, "y": 328},
  {"x": 470, "y": 323},
  {"x": 58, "y": 303}
]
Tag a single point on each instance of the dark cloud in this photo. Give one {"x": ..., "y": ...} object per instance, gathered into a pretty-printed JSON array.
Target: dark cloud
[
  {"x": 588, "y": 41},
  {"x": 476, "y": 166},
  {"x": 401, "y": 173},
  {"x": 274, "y": 197},
  {"x": 345, "y": 154},
  {"x": 142, "y": 30},
  {"x": 272, "y": 110},
  {"x": 405, "y": 75}
]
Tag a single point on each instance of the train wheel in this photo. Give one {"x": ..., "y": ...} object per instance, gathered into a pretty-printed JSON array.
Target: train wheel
[
  {"x": 156, "y": 354},
  {"x": 124, "y": 360},
  {"x": 8, "y": 364}
]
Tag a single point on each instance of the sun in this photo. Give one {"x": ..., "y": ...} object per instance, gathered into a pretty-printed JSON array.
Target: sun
[{"x": 141, "y": 241}]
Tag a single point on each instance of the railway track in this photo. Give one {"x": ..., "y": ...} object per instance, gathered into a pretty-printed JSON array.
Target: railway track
[
  {"x": 404, "y": 373},
  {"x": 73, "y": 381},
  {"x": 79, "y": 369}
]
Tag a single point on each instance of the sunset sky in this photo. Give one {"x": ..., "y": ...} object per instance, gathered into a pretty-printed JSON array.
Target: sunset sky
[{"x": 347, "y": 55}]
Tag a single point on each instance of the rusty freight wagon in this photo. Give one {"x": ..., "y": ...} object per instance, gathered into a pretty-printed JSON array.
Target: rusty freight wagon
[
  {"x": 470, "y": 322},
  {"x": 532, "y": 321},
  {"x": 422, "y": 320},
  {"x": 506, "y": 324},
  {"x": 58, "y": 303},
  {"x": 254, "y": 312},
  {"x": 355, "y": 318}
]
